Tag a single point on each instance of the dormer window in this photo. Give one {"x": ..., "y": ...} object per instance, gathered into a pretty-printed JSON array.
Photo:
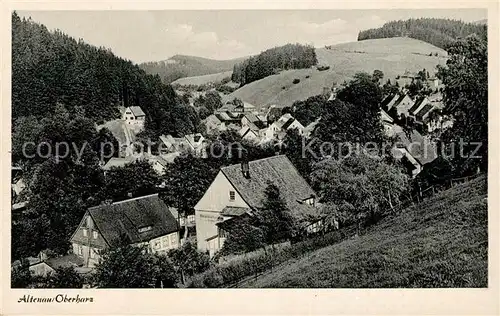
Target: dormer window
[
  {"x": 145, "y": 229},
  {"x": 309, "y": 200}
]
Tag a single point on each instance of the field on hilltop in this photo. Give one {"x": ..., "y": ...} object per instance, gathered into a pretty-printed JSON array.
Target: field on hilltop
[
  {"x": 205, "y": 79},
  {"x": 393, "y": 56},
  {"x": 441, "y": 242}
]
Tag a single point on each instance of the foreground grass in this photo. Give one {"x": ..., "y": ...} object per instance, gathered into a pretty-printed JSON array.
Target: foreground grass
[{"x": 442, "y": 242}]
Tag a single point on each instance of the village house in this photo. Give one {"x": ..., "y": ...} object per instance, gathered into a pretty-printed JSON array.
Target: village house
[
  {"x": 252, "y": 120},
  {"x": 133, "y": 115},
  {"x": 272, "y": 112},
  {"x": 43, "y": 265},
  {"x": 142, "y": 221},
  {"x": 414, "y": 149},
  {"x": 422, "y": 108},
  {"x": 402, "y": 105},
  {"x": 158, "y": 162},
  {"x": 193, "y": 143},
  {"x": 213, "y": 124},
  {"x": 284, "y": 123},
  {"x": 240, "y": 189}
]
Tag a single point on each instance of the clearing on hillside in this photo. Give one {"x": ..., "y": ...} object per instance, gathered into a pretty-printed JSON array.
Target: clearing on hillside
[
  {"x": 441, "y": 242},
  {"x": 393, "y": 56},
  {"x": 200, "y": 80}
]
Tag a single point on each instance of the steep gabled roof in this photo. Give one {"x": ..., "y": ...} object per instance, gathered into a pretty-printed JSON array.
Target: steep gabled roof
[
  {"x": 118, "y": 162},
  {"x": 420, "y": 147},
  {"x": 126, "y": 217},
  {"x": 417, "y": 104},
  {"x": 137, "y": 111},
  {"x": 388, "y": 100},
  {"x": 426, "y": 109},
  {"x": 279, "y": 171}
]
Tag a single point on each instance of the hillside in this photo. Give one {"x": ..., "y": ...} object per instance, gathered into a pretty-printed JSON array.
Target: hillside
[
  {"x": 393, "y": 56},
  {"x": 441, "y": 242},
  {"x": 50, "y": 68},
  {"x": 438, "y": 32},
  {"x": 181, "y": 66},
  {"x": 205, "y": 79}
]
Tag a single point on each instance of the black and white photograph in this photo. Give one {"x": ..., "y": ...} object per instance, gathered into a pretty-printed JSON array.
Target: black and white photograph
[{"x": 317, "y": 149}]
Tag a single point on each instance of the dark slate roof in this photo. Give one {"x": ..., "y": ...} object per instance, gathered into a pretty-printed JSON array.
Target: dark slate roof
[
  {"x": 234, "y": 211},
  {"x": 137, "y": 111},
  {"x": 417, "y": 104},
  {"x": 426, "y": 109},
  {"x": 401, "y": 97},
  {"x": 126, "y": 217},
  {"x": 279, "y": 171},
  {"x": 387, "y": 100}
]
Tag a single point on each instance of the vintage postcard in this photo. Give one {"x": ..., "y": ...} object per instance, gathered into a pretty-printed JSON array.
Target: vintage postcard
[{"x": 171, "y": 158}]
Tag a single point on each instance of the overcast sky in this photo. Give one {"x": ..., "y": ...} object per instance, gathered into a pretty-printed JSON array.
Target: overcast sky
[{"x": 157, "y": 35}]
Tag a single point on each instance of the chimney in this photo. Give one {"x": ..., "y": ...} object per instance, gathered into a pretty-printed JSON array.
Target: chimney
[{"x": 245, "y": 169}]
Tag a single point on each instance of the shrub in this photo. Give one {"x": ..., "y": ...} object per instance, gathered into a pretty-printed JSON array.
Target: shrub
[
  {"x": 295, "y": 81},
  {"x": 307, "y": 76},
  {"x": 323, "y": 68},
  {"x": 230, "y": 272},
  {"x": 283, "y": 87}
]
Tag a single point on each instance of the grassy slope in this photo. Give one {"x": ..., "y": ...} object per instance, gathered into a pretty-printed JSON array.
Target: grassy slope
[
  {"x": 393, "y": 56},
  {"x": 441, "y": 242},
  {"x": 199, "y": 80}
]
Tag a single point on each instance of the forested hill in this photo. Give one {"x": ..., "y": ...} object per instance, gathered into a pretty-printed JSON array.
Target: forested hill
[
  {"x": 274, "y": 60},
  {"x": 438, "y": 32},
  {"x": 181, "y": 66},
  {"x": 50, "y": 68}
]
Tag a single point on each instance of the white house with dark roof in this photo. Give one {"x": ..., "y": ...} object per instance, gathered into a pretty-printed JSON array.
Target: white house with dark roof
[
  {"x": 402, "y": 105},
  {"x": 240, "y": 189},
  {"x": 134, "y": 115},
  {"x": 284, "y": 123},
  {"x": 143, "y": 220}
]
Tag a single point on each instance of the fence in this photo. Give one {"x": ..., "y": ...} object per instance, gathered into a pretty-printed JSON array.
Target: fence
[{"x": 433, "y": 189}]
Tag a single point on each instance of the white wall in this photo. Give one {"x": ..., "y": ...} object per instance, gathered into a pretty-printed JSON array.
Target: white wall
[
  {"x": 208, "y": 209},
  {"x": 165, "y": 243}
]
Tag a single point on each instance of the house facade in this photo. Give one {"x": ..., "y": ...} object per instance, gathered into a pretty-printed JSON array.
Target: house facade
[
  {"x": 133, "y": 115},
  {"x": 239, "y": 190},
  {"x": 284, "y": 123},
  {"x": 139, "y": 221},
  {"x": 403, "y": 104}
]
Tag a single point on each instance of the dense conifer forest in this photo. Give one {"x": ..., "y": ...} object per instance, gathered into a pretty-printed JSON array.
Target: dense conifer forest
[
  {"x": 271, "y": 61},
  {"x": 439, "y": 32},
  {"x": 50, "y": 68}
]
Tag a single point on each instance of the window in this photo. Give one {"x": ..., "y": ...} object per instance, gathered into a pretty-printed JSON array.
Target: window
[
  {"x": 223, "y": 233},
  {"x": 173, "y": 241},
  {"x": 80, "y": 250},
  {"x": 157, "y": 245},
  {"x": 92, "y": 253},
  {"x": 85, "y": 232},
  {"x": 145, "y": 229},
  {"x": 94, "y": 233},
  {"x": 232, "y": 195}
]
